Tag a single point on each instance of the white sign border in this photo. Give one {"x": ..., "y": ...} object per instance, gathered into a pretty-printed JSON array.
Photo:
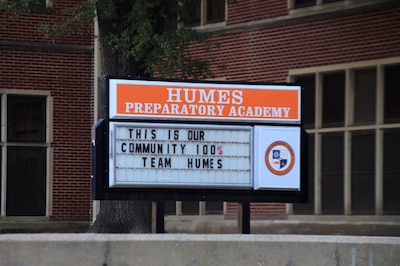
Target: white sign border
[
  {"x": 112, "y": 151},
  {"x": 265, "y": 137},
  {"x": 112, "y": 110}
]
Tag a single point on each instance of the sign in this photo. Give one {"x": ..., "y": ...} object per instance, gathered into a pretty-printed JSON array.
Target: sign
[
  {"x": 141, "y": 99},
  {"x": 208, "y": 141},
  {"x": 277, "y": 157},
  {"x": 184, "y": 155}
]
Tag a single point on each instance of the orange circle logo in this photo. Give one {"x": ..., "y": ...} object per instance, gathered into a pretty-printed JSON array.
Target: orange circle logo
[{"x": 279, "y": 158}]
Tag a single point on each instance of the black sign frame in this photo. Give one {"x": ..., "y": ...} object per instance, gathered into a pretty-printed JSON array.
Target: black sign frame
[{"x": 100, "y": 189}]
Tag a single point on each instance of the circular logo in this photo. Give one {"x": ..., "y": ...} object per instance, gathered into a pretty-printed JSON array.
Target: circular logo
[{"x": 279, "y": 158}]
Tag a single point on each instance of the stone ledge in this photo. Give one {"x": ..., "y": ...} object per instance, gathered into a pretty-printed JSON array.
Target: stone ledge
[
  {"x": 189, "y": 249},
  {"x": 355, "y": 228}
]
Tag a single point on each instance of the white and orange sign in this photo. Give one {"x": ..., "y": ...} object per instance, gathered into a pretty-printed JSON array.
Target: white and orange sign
[
  {"x": 140, "y": 99},
  {"x": 277, "y": 157}
]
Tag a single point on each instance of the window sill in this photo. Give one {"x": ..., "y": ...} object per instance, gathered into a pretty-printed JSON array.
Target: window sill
[
  {"x": 210, "y": 26},
  {"x": 24, "y": 219}
]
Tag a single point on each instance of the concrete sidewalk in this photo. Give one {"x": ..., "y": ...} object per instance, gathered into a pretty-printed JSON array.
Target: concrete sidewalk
[{"x": 192, "y": 249}]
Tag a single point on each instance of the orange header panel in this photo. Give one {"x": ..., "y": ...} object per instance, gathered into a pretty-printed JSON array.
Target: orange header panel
[{"x": 191, "y": 101}]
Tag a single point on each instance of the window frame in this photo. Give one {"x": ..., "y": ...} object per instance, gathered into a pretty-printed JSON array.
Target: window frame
[
  {"x": 32, "y": 8},
  {"x": 4, "y": 144},
  {"x": 203, "y": 16},
  {"x": 202, "y": 210},
  {"x": 318, "y": 4},
  {"x": 349, "y": 127},
  {"x": 322, "y": 7},
  {"x": 48, "y": 3}
]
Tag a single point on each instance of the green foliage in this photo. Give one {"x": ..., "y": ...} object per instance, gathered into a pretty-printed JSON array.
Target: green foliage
[
  {"x": 148, "y": 37},
  {"x": 21, "y": 6},
  {"x": 144, "y": 37},
  {"x": 76, "y": 20}
]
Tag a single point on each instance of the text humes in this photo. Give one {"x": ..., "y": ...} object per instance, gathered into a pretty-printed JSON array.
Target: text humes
[{"x": 201, "y": 96}]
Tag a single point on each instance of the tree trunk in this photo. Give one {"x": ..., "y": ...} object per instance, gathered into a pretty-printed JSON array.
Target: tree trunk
[
  {"x": 118, "y": 216},
  {"x": 123, "y": 217}
]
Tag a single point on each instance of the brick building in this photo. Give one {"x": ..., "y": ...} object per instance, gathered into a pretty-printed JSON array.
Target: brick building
[
  {"x": 46, "y": 92},
  {"x": 345, "y": 53}
]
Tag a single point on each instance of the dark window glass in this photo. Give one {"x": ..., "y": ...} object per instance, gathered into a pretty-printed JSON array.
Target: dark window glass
[
  {"x": 1, "y": 115},
  {"x": 24, "y": 6},
  {"x": 170, "y": 207},
  {"x": 331, "y": 1},
  {"x": 391, "y": 172},
  {"x": 26, "y": 118},
  {"x": 364, "y": 96},
  {"x": 26, "y": 181},
  {"x": 38, "y": 3},
  {"x": 308, "y": 93},
  {"x": 1, "y": 170},
  {"x": 333, "y": 99},
  {"x": 214, "y": 207},
  {"x": 194, "y": 13},
  {"x": 308, "y": 208},
  {"x": 363, "y": 173},
  {"x": 392, "y": 94},
  {"x": 304, "y": 3},
  {"x": 1, "y": 151},
  {"x": 190, "y": 207},
  {"x": 215, "y": 11},
  {"x": 332, "y": 174}
]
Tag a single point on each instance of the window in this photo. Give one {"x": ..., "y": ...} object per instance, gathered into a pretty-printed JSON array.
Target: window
[
  {"x": 37, "y": 4},
  {"x": 364, "y": 96},
  {"x": 392, "y": 94},
  {"x": 306, "y": 3},
  {"x": 26, "y": 118},
  {"x": 202, "y": 12},
  {"x": 308, "y": 208},
  {"x": 391, "y": 172},
  {"x": 194, "y": 208},
  {"x": 330, "y": 1},
  {"x": 214, "y": 207},
  {"x": 215, "y": 11},
  {"x": 25, "y": 6},
  {"x": 363, "y": 172},
  {"x": 352, "y": 117},
  {"x": 170, "y": 207},
  {"x": 308, "y": 85},
  {"x": 190, "y": 207},
  {"x": 25, "y": 149},
  {"x": 313, "y": 7},
  {"x": 333, "y": 99},
  {"x": 332, "y": 170}
]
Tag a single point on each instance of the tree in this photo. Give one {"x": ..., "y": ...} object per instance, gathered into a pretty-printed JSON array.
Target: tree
[{"x": 139, "y": 38}]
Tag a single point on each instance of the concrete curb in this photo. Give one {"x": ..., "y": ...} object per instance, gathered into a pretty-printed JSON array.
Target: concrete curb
[{"x": 191, "y": 249}]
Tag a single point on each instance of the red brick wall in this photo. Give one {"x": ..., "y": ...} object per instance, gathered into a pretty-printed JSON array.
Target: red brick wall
[
  {"x": 266, "y": 53},
  {"x": 258, "y": 211},
  {"x": 28, "y": 27},
  {"x": 263, "y": 53},
  {"x": 240, "y": 11},
  {"x": 64, "y": 66}
]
